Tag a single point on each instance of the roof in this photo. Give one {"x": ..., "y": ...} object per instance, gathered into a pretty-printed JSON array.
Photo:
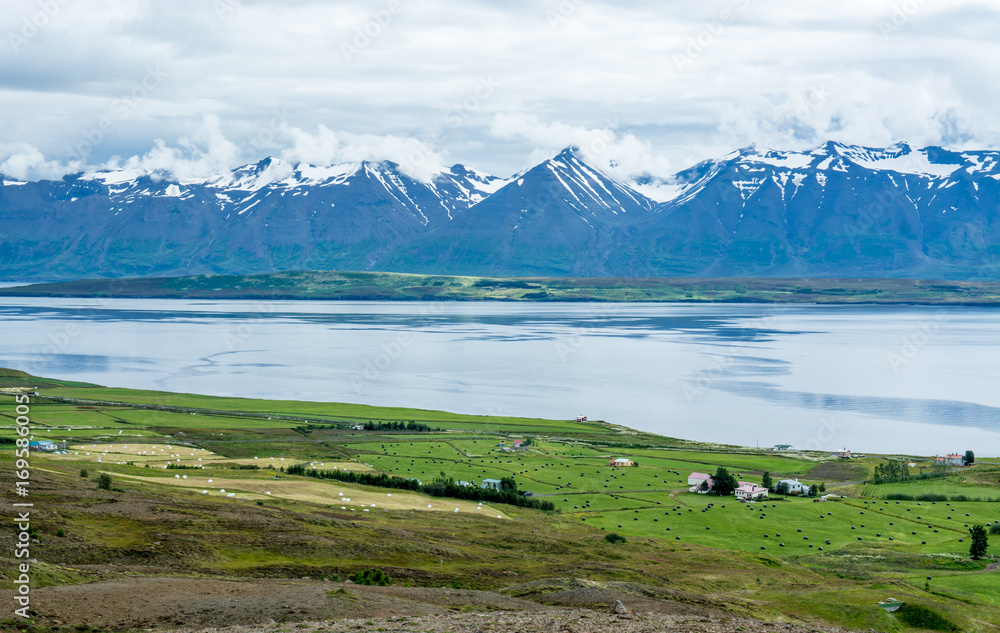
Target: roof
[
  {"x": 491, "y": 481},
  {"x": 699, "y": 476},
  {"x": 623, "y": 459},
  {"x": 749, "y": 488}
]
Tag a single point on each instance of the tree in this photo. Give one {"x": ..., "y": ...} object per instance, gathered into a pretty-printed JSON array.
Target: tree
[
  {"x": 724, "y": 483},
  {"x": 970, "y": 458},
  {"x": 980, "y": 542},
  {"x": 766, "y": 482},
  {"x": 822, "y": 487},
  {"x": 781, "y": 488},
  {"x": 104, "y": 481}
]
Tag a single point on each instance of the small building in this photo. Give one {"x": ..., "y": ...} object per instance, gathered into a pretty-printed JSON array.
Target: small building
[
  {"x": 782, "y": 447},
  {"x": 493, "y": 484},
  {"x": 795, "y": 487},
  {"x": 621, "y": 462},
  {"x": 43, "y": 445},
  {"x": 749, "y": 491},
  {"x": 697, "y": 482},
  {"x": 844, "y": 454},
  {"x": 581, "y": 418},
  {"x": 951, "y": 459},
  {"x": 466, "y": 484}
]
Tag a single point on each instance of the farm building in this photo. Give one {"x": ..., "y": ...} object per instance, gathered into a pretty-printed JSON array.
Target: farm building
[
  {"x": 951, "y": 459},
  {"x": 490, "y": 483},
  {"x": 581, "y": 418},
  {"x": 794, "y": 486},
  {"x": 846, "y": 454},
  {"x": 43, "y": 445},
  {"x": 748, "y": 491},
  {"x": 621, "y": 462},
  {"x": 695, "y": 480}
]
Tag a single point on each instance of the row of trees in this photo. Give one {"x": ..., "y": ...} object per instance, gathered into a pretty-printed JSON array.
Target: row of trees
[{"x": 440, "y": 487}]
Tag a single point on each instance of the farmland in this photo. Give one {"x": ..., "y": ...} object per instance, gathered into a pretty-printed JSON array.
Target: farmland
[{"x": 204, "y": 461}]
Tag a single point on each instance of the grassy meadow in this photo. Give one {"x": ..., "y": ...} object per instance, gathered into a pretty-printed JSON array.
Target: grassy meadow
[{"x": 209, "y": 476}]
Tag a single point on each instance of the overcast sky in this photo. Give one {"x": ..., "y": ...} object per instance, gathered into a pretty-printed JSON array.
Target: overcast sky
[{"x": 200, "y": 86}]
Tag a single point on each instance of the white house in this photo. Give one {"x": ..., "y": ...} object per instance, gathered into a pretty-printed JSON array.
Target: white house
[
  {"x": 491, "y": 483},
  {"x": 748, "y": 491},
  {"x": 793, "y": 485},
  {"x": 952, "y": 459}
]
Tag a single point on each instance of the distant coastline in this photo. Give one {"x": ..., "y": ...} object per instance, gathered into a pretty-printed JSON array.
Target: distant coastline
[{"x": 378, "y": 286}]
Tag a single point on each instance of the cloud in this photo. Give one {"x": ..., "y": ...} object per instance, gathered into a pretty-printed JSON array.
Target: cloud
[
  {"x": 205, "y": 154},
  {"x": 327, "y": 147},
  {"x": 26, "y": 162},
  {"x": 622, "y": 155}
]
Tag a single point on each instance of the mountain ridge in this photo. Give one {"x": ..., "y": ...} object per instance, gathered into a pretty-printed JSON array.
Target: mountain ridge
[{"x": 834, "y": 211}]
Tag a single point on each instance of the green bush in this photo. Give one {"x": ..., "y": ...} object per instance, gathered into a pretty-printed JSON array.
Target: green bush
[
  {"x": 370, "y": 577},
  {"x": 60, "y": 532},
  {"x": 615, "y": 538},
  {"x": 84, "y": 473},
  {"x": 995, "y": 528},
  {"x": 104, "y": 481},
  {"x": 920, "y": 617}
]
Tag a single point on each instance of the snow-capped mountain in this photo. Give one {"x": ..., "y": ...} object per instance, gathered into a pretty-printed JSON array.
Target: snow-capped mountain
[{"x": 837, "y": 210}]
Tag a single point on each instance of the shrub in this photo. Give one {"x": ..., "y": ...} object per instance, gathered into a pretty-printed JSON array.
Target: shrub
[
  {"x": 920, "y": 617},
  {"x": 60, "y": 533},
  {"x": 104, "y": 481},
  {"x": 615, "y": 538},
  {"x": 995, "y": 528},
  {"x": 370, "y": 577},
  {"x": 84, "y": 473}
]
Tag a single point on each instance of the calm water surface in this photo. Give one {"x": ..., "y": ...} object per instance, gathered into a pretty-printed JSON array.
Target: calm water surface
[{"x": 907, "y": 379}]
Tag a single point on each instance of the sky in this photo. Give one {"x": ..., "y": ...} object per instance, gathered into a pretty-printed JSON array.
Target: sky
[{"x": 198, "y": 87}]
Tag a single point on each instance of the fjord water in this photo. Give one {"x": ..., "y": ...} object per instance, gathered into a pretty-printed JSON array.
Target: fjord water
[{"x": 909, "y": 379}]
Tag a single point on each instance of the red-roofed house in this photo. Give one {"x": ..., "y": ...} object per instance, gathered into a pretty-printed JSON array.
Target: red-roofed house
[
  {"x": 953, "y": 459},
  {"x": 697, "y": 481}
]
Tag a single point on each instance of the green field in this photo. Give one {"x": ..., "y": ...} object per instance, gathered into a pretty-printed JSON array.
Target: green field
[
  {"x": 826, "y": 561},
  {"x": 333, "y": 285}
]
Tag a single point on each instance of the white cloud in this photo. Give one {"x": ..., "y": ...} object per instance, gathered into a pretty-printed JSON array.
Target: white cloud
[
  {"x": 750, "y": 66},
  {"x": 621, "y": 155},
  {"x": 26, "y": 162},
  {"x": 327, "y": 147}
]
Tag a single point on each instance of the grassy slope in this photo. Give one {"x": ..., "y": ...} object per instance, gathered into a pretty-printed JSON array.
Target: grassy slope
[
  {"x": 288, "y": 537},
  {"x": 393, "y": 286}
]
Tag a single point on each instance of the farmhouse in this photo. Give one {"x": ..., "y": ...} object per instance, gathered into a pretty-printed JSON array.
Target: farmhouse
[
  {"x": 952, "y": 459},
  {"x": 490, "y": 483},
  {"x": 621, "y": 462},
  {"x": 43, "y": 445},
  {"x": 793, "y": 486},
  {"x": 845, "y": 454},
  {"x": 696, "y": 480},
  {"x": 581, "y": 418},
  {"x": 749, "y": 491}
]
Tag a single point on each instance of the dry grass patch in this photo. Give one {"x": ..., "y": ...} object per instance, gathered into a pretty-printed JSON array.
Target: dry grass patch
[{"x": 354, "y": 498}]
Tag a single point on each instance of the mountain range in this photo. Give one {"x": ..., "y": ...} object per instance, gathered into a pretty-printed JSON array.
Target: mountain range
[{"x": 835, "y": 211}]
